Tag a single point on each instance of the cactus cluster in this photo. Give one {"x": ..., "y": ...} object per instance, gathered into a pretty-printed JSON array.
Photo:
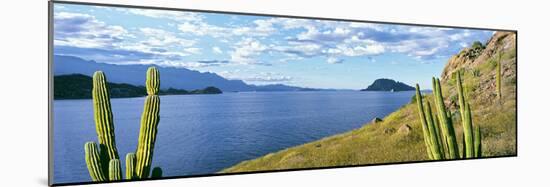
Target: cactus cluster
[
  {"x": 103, "y": 161},
  {"x": 439, "y": 134}
]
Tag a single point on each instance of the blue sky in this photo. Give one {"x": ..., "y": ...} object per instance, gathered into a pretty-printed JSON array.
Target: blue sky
[{"x": 260, "y": 50}]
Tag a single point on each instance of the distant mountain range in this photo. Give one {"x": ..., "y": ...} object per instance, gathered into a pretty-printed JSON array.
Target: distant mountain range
[
  {"x": 388, "y": 85},
  {"x": 171, "y": 77},
  {"x": 78, "y": 86}
]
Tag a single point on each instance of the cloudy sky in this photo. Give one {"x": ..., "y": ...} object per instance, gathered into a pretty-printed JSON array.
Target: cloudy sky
[{"x": 259, "y": 50}]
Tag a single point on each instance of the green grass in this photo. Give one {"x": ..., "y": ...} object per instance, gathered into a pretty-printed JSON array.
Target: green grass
[{"x": 383, "y": 143}]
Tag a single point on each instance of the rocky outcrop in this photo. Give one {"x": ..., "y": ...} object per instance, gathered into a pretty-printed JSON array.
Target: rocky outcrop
[
  {"x": 479, "y": 70},
  {"x": 499, "y": 42}
]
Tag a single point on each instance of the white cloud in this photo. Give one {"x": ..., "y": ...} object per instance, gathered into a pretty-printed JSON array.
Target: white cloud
[
  {"x": 166, "y": 14},
  {"x": 202, "y": 28},
  {"x": 246, "y": 50},
  {"x": 268, "y": 77},
  {"x": 217, "y": 50},
  {"x": 333, "y": 60},
  {"x": 83, "y": 30},
  {"x": 158, "y": 37},
  {"x": 255, "y": 77},
  {"x": 248, "y": 42},
  {"x": 193, "y": 50}
]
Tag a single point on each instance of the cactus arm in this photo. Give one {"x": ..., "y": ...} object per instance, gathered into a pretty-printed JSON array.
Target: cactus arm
[
  {"x": 423, "y": 121},
  {"x": 446, "y": 124},
  {"x": 477, "y": 141},
  {"x": 460, "y": 91},
  {"x": 93, "y": 162},
  {"x": 149, "y": 124},
  {"x": 152, "y": 81},
  {"x": 468, "y": 134},
  {"x": 435, "y": 146},
  {"x": 130, "y": 165},
  {"x": 466, "y": 118},
  {"x": 440, "y": 137},
  {"x": 103, "y": 116},
  {"x": 115, "y": 173}
]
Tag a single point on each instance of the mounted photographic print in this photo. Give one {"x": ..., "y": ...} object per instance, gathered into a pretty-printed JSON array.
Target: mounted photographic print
[{"x": 140, "y": 93}]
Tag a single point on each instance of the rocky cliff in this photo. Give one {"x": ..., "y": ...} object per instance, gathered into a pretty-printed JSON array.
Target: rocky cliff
[{"x": 467, "y": 58}]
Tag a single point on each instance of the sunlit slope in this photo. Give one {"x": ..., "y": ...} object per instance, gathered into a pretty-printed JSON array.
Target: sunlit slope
[{"x": 398, "y": 138}]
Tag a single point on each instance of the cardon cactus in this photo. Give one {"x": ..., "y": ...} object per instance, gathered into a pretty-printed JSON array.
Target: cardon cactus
[
  {"x": 103, "y": 117},
  {"x": 440, "y": 139},
  {"x": 445, "y": 121},
  {"x": 104, "y": 164},
  {"x": 149, "y": 123},
  {"x": 431, "y": 136},
  {"x": 466, "y": 117}
]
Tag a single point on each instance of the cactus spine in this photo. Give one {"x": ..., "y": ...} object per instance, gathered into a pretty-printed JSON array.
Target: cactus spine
[
  {"x": 440, "y": 139},
  {"x": 104, "y": 164},
  {"x": 130, "y": 165},
  {"x": 149, "y": 123},
  {"x": 114, "y": 170},
  {"x": 93, "y": 161}
]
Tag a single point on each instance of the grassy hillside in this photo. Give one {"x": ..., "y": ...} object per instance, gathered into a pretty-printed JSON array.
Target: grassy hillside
[{"x": 398, "y": 138}]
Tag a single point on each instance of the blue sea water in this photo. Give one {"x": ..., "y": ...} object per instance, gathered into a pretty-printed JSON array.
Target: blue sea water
[{"x": 203, "y": 134}]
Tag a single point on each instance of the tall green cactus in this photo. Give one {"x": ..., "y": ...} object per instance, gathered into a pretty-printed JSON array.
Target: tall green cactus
[
  {"x": 429, "y": 128},
  {"x": 466, "y": 117},
  {"x": 440, "y": 139},
  {"x": 103, "y": 117},
  {"x": 446, "y": 123},
  {"x": 115, "y": 173},
  {"x": 104, "y": 164},
  {"x": 149, "y": 123}
]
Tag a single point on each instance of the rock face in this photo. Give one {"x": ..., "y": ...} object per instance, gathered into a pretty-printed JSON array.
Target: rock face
[
  {"x": 388, "y": 85},
  {"x": 499, "y": 42},
  {"x": 478, "y": 63}
]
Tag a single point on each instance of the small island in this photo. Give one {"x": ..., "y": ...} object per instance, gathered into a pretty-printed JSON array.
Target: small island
[
  {"x": 78, "y": 86},
  {"x": 388, "y": 85}
]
